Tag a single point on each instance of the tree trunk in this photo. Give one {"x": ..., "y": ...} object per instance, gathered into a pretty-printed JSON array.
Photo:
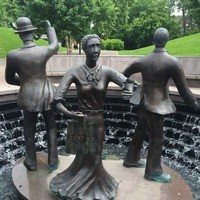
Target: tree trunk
[
  {"x": 79, "y": 48},
  {"x": 69, "y": 50},
  {"x": 184, "y": 21}
]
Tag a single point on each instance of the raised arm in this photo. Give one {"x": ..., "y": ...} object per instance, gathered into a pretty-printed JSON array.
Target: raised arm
[{"x": 52, "y": 38}]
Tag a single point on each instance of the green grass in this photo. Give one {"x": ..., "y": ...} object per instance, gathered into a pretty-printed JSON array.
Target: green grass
[
  {"x": 185, "y": 46},
  {"x": 10, "y": 41}
]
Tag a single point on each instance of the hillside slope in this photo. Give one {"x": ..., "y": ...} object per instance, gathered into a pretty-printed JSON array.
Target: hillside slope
[
  {"x": 184, "y": 46},
  {"x": 10, "y": 41}
]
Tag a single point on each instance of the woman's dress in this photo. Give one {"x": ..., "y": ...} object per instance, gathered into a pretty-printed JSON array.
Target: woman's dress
[{"x": 86, "y": 177}]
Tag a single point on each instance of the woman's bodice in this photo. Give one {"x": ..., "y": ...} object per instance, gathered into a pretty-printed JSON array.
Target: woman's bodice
[{"x": 91, "y": 85}]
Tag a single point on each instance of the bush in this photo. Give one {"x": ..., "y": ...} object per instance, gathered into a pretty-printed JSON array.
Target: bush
[{"x": 113, "y": 44}]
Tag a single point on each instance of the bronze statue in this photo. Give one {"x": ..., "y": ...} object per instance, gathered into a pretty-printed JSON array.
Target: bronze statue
[
  {"x": 86, "y": 177},
  {"x": 26, "y": 67},
  {"x": 156, "y": 70}
]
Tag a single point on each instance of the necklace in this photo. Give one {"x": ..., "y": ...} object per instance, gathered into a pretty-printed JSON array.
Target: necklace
[{"x": 93, "y": 74}]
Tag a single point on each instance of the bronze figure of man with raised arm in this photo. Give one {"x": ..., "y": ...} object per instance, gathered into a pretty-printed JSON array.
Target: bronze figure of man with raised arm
[{"x": 26, "y": 67}]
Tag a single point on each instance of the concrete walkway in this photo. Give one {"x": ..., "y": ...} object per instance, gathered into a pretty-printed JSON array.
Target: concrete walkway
[{"x": 103, "y": 52}]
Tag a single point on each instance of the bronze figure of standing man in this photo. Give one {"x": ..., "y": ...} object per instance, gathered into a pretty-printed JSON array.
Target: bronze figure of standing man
[
  {"x": 26, "y": 67},
  {"x": 156, "y": 70}
]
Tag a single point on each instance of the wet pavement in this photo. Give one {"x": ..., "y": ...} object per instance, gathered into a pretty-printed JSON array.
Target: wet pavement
[{"x": 132, "y": 185}]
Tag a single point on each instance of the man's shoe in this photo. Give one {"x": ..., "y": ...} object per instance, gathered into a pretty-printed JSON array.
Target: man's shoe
[
  {"x": 163, "y": 178},
  {"x": 52, "y": 167},
  {"x": 30, "y": 167},
  {"x": 138, "y": 164}
]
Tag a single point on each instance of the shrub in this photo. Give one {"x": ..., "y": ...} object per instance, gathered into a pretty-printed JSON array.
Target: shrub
[{"x": 113, "y": 44}]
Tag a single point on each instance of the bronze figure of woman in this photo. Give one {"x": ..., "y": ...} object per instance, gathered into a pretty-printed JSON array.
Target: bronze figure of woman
[{"x": 86, "y": 177}]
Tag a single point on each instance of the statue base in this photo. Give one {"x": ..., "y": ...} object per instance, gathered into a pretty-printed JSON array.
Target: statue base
[{"x": 34, "y": 185}]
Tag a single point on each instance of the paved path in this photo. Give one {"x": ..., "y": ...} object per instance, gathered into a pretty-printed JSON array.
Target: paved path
[
  {"x": 2, "y": 62},
  {"x": 103, "y": 52}
]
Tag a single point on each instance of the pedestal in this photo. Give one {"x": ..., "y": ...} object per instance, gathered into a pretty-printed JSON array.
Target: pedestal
[{"x": 34, "y": 185}]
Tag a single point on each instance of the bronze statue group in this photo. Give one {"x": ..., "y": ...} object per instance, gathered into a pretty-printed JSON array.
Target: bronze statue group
[{"x": 86, "y": 178}]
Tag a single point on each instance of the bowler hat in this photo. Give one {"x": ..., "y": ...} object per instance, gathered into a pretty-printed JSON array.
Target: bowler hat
[{"x": 24, "y": 24}]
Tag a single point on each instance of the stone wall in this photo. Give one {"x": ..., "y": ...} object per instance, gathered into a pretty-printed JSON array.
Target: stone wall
[{"x": 58, "y": 65}]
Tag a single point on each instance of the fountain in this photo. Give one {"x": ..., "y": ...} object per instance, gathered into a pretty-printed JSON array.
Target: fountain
[{"x": 180, "y": 151}]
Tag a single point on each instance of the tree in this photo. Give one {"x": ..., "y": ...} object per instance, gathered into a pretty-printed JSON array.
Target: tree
[
  {"x": 145, "y": 17},
  {"x": 9, "y": 11},
  {"x": 121, "y": 25},
  {"x": 132, "y": 21},
  {"x": 190, "y": 14},
  {"x": 75, "y": 18},
  {"x": 183, "y": 5},
  {"x": 194, "y": 11},
  {"x": 70, "y": 18},
  {"x": 104, "y": 18}
]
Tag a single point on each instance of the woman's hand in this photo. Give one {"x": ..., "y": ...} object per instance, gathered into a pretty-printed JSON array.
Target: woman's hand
[
  {"x": 74, "y": 115},
  {"x": 77, "y": 115}
]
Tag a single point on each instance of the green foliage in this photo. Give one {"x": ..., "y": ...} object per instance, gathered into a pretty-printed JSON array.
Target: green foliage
[
  {"x": 185, "y": 46},
  {"x": 9, "y": 10},
  {"x": 132, "y": 21},
  {"x": 105, "y": 18},
  {"x": 123, "y": 17},
  {"x": 112, "y": 44},
  {"x": 194, "y": 11},
  {"x": 190, "y": 11},
  {"x": 145, "y": 20},
  {"x": 70, "y": 18}
]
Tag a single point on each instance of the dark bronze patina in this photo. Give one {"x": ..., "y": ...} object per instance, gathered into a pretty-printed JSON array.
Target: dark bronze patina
[
  {"x": 156, "y": 70},
  {"x": 86, "y": 177},
  {"x": 26, "y": 67}
]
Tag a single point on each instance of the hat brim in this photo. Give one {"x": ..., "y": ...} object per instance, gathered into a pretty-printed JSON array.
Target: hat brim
[{"x": 26, "y": 30}]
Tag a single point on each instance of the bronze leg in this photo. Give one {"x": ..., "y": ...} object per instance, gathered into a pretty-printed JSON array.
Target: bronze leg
[
  {"x": 133, "y": 154},
  {"x": 49, "y": 119},
  {"x": 30, "y": 119},
  {"x": 155, "y": 124}
]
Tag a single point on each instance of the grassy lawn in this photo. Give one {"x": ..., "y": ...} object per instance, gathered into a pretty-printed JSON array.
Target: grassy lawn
[
  {"x": 10, "y": 41},
  {"x": 185, "y": 46}
]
